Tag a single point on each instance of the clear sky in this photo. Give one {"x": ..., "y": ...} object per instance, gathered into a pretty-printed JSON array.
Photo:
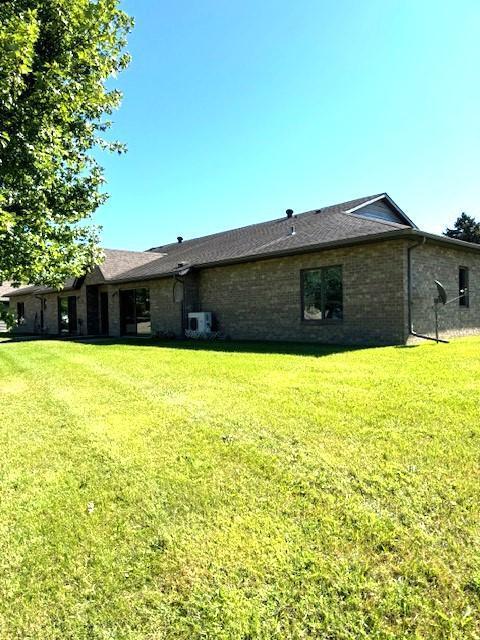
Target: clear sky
[{"x": 237, "y": 110}]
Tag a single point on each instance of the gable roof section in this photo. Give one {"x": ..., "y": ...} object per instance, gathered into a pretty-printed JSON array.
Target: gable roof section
[
  {"x": 118, "y": 261},
  {"x": 385, "y": 199}
]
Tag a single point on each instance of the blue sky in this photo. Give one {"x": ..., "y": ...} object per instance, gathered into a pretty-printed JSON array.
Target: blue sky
[{"x": 235, "y": 111}]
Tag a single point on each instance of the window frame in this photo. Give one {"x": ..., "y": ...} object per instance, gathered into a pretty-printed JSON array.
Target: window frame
[
  {"x": 70, "y": 328},
  {"x": 302, "y": 296},
  {"x": 136, "y": 301},
  {"x": 20, "y": 316},
  {"x": 464, "y": 300}
]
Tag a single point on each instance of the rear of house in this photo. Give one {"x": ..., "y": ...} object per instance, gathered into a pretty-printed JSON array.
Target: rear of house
[{"x": 359, "y": 272}]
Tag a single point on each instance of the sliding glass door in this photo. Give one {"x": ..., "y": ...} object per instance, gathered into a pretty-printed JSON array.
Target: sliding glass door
[{"x": 135, "y": 312}]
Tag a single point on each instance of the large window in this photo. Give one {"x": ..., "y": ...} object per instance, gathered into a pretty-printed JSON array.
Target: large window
[
  {"x": 135, "y": 312},
  {"x": 67, "y": 315},
  {"x": 322, "y": 294},
  {"x": 463, "y": 300}
]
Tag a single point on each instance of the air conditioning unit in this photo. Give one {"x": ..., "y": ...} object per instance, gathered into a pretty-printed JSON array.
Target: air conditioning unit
[{"x": 200, "y": 321}]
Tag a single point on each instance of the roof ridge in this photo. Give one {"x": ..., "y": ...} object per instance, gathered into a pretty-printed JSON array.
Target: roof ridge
[{"x": 264, "y": 222}]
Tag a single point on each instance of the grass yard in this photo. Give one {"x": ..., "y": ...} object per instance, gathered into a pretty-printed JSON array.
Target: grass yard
[{"x": 179, "y": 491}]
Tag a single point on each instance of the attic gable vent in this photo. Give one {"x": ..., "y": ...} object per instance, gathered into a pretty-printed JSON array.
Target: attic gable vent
[{"x": 382, "y": 208}]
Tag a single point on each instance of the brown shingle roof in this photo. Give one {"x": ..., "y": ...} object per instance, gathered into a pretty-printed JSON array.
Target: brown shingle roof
[
  {"x": 315, "y": 228},
  {"x": 70, "y": 284},
  {"x": 5, "y": 289},
  {"x": 118, "y": 261},
  {"x": 312, "y": 228}
]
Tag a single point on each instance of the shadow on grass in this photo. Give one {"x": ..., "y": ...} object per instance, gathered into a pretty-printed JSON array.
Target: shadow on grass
[
  {"x": 222, "y": 346},
  {"x": 230, "y": 346}
]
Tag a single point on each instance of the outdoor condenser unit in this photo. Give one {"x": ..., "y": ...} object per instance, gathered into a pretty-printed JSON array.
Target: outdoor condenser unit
[{"x": 200, "y": 321}]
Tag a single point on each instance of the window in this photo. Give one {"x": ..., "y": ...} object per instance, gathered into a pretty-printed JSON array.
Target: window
[
  {"x": 20, "y": 312},
  {"x": 463, "y": 300},
  {"x": 67, "y": 315},
  {"x": 135, "y": 312},
  {"x": 322, "y": 294}
]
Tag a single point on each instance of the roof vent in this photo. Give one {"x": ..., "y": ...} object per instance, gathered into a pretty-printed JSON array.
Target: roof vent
[
  {"x": 289, "y": 213},
  {"x": 179, "y": 239},
  {"x": 292, "y": 230}
]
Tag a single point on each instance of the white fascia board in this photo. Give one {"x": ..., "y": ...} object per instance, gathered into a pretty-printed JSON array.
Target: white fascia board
[{"x": 384, "y": 196}]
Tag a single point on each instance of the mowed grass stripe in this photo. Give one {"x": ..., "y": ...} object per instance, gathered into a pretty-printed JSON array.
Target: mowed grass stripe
[{"x": 239, "y": 494}]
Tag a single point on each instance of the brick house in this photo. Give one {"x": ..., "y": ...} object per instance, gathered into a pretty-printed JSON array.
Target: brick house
[{"x": 360, "y": 272}]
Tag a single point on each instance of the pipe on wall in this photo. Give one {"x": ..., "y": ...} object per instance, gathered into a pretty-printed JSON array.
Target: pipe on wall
[{"x": 411, "y": 331}]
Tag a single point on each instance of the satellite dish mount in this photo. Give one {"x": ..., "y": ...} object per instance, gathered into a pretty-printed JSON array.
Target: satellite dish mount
[{"x": 442, "y": 299}]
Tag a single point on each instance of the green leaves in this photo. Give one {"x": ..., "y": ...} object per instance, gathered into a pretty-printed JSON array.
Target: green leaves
[
  {"x": 55, "y": 59},
  {"x": 465, "y": 228}
]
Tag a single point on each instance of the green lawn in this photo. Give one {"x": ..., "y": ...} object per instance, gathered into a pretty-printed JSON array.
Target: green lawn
[{"x": 239, "y": 491}]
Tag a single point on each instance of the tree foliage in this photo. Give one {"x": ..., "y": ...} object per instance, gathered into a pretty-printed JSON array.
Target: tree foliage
[
  {"x": 465, "y": 228},
  {"x": 7, "y": 317},
  {"x": 55, "y": 59}
]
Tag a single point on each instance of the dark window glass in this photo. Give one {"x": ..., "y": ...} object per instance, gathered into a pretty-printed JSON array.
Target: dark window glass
[
  {"x": 20, "y": 312},
  {"x": 104, "y": 313},
  {"x": 142, "y": 304},
  {"x": 135, "y": 312},
  {"x": 463, "y": 300},
  {"x": 63, "y": 315},
  {"x": 67, "y": 315},
  {"x": 322, "y": 294},
  {"x": 127, "y": 312}
]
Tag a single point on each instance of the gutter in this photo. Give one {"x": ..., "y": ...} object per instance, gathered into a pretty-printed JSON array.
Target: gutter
[
  {"x": 411, "y": 331},
  {"x": 323, "y": 246}
]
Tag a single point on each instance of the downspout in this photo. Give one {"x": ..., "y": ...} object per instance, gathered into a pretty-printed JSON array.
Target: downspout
[
  {"x": 180, "y": 280},
  {"x": 411, "y": 331},
  {"x": 179, "y": 277}
]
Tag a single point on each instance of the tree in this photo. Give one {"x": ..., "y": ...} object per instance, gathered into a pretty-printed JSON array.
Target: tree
[
  {"x": 55, "y": 59},
  {"x": 7, "y": 317},
  {"x": 465, "y": 228}
]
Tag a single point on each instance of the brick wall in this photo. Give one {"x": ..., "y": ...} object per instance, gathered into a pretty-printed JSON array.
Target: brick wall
[
  {"x": 32, "y": 306},
  {"x": 50, "y": 313},
  {"x": 262, "y": 300},
  {"x": 432, "y": 262},
  {"x": 166, "y": 315}
]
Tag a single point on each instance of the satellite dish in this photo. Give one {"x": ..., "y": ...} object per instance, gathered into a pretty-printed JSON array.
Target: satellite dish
[
  {"x": 442, "y": 294},
  {"x": 178, "y": 291}
]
